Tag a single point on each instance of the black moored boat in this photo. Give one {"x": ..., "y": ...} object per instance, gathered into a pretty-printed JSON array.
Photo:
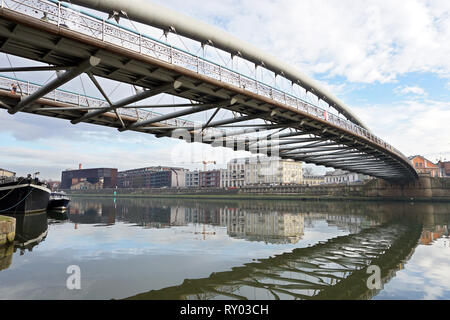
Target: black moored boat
[
  {"x": 23, "y": 195},
  {"x": 58, "y": 201}
]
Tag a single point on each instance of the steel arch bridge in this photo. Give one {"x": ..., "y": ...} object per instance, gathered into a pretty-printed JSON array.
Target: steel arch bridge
[{"x": 316, "y": 128}]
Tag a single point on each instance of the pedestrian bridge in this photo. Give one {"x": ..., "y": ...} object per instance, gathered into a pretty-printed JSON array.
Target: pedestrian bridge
[{"x": 295, "y": 118}]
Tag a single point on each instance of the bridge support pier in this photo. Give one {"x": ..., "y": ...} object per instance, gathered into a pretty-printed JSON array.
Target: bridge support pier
[{"x": 425, "y": 187}]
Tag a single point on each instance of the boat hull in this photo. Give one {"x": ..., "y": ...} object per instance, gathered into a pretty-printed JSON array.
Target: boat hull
[
  {"x": 58, "y": 204},
  {"x": 23, "y": 198}
]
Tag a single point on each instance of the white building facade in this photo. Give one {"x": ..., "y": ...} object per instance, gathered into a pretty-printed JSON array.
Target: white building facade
[
  {"x": 193, "y": 179},
  {"x": 261, "y": 170},
  {"x": 313, "y": 180},
  {"x": 344, "y": 177},
  {"x": 273, "y": 171},
  {"x": 234, "y": 175}
]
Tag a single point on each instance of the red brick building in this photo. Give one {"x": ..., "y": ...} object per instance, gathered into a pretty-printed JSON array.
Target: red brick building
[
  {"x": 445, "y": 168},
  {"x": 209, "y": 179},
  {"x": 423, "y": 165},
  {"x": 107, "y": 177}
]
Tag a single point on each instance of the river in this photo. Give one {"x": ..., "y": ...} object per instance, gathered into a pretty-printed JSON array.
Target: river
[{"x": 224, "y": 249}]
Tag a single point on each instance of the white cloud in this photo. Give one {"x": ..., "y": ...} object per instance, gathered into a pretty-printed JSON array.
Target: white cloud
[
  {"x": 413, "y": 127},
  {"x": 364, "y": 41},
  {"x": 405, "y": 90},
  {"x": 425, "y": 276}
]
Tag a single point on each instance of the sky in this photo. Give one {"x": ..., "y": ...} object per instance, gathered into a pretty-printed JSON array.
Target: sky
[{"x": 387, "y": 60}]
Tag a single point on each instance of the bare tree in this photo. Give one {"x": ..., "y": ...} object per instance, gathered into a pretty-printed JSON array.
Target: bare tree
[{"x": 307, "y": 171}]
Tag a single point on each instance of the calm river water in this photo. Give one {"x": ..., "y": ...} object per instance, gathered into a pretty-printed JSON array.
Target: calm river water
[{"x": 212, "y": 249}]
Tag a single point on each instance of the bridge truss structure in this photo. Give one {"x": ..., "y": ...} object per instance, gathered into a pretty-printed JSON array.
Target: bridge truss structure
[{"x": 256, "y": 117}]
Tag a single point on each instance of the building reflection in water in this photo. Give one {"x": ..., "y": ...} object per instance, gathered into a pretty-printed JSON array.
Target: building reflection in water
[
  {"x": 92, "y": 212},
  {"x": 273, "y": 227},
  {"x": 270, "y": 227},
  {"x": 266, "y": 222},
  {"x": 435, "y": 223},
  {"x": 428, "y": 237}
]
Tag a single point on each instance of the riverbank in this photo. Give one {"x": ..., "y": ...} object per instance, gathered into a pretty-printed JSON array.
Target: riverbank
[
  {"x": 238, "y": 196},
  {"x": 426, "y": 189}
]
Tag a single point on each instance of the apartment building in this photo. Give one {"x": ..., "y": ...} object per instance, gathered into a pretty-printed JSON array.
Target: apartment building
[{"x": 274, "y": 171}]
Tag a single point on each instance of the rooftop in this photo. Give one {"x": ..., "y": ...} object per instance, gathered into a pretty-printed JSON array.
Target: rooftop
[
  {"x": 1, "y": 169},
  {"x": 419, "y": 156}
]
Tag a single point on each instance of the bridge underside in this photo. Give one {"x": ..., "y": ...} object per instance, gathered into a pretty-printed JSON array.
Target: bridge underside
[{"x": 291, "y": 133}]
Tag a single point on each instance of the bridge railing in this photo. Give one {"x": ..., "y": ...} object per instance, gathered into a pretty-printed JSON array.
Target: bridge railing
[
  {"x": 76, "y": 99},
  {"x": 65, "y": 16}
]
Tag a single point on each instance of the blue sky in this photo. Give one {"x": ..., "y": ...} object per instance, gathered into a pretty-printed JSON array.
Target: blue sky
[{"x": 388, "y": 62}]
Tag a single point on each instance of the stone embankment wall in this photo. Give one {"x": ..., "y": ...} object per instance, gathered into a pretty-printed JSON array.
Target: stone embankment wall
[
  {"x": 355, "y": 190},
  {"x": 426, "y": 188},
  {"x": 7, "y": 230},
  {"x": 154, "y": 191},
  {"x": 6, "y": 254}
]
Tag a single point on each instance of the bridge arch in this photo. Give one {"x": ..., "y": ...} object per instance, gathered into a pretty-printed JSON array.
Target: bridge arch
[{"x": 157, "y": 16}]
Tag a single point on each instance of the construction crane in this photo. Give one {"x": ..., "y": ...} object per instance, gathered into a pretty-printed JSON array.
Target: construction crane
[
  {"x": 207, "y": 162},
  {"x": 205, "y": 233}
]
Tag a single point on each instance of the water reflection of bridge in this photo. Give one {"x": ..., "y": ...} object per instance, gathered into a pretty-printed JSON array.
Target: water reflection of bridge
[{"x": 335, "y": 269}]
